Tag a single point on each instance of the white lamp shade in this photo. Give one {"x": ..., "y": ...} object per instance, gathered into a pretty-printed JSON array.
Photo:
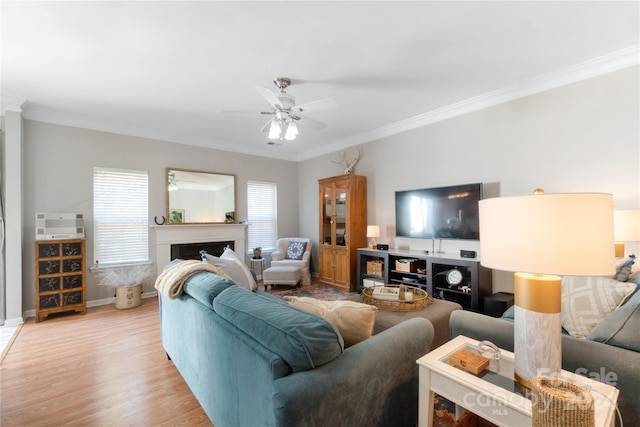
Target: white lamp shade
[
  {"x": 561, "y": 234},
  {"x": 626, "y": 225},
  {"x": 373, "y": 231},
  {"x": 292, "y": 131},
  {"x": 274, "y": 130}
]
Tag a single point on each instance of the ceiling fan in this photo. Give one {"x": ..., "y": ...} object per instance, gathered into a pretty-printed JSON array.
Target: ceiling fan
[{"x": 286, "y": 113}]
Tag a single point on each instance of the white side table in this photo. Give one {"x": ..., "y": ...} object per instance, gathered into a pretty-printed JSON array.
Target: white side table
[
  {"x": 257, "y": 265},
  {"x": 494, "y": 394}
]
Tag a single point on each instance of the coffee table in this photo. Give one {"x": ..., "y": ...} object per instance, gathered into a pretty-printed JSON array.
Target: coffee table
[{"x": 493, "y": 395}]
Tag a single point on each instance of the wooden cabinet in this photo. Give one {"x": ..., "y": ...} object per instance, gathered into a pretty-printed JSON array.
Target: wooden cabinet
[
  {"x": 60, "y": 277},
  {"x": 428, "y": 272},
  {"x": 334, "y": 268},
  {"x": 343, "y": 228}
]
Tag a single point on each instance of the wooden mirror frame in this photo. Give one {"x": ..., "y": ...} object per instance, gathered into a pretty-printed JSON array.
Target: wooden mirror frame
[{"x": 200, "y": 197}]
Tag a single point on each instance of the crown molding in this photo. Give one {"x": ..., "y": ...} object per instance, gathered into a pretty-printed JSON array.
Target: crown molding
[
  {"x": 614, "y": 61},
  {"x": 84, "y": 122},
  {"x": 604, "y": 64},
  {"x": 11, "y": 103}
]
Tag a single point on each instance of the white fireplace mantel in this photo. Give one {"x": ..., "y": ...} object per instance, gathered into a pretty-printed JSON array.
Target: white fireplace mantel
[{"x": 167, "y": 235}]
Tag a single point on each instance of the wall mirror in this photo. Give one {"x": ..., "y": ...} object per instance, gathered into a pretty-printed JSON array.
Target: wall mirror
[{"x": 197, "y": 197}]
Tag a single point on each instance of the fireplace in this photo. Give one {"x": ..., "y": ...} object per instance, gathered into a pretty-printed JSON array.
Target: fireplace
[
  {"x": 194, "y": 238},
  {"x": 192, "y": 250}
]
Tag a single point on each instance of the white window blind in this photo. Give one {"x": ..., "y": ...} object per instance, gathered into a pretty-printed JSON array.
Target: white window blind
[
  {"x": 262, "y": 215},
  {"x": 120, "y": 216}
]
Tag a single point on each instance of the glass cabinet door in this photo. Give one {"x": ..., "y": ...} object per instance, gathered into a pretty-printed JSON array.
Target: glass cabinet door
[
  {"x": 340, "y": 203},
  {"x": 327, "y": 215}
]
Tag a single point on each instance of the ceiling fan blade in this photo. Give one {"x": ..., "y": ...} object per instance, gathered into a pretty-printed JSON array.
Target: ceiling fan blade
[
  {"x": 319, "y": 105},
  {"x": 235, "y": 112},
  {"x": 266, "y": 126},
  {"x": 315, "y": 124},
  {"x": 269, "y": 96}
]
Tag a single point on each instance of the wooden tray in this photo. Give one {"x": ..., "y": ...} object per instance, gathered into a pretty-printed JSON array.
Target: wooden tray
[{"x": 420, "y": 299}]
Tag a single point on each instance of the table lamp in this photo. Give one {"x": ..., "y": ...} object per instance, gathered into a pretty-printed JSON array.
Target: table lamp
[
  {"x": 539, "y": 237},
  {"x": 373, "y": 231},
  {"x": 626, "y": 228}
]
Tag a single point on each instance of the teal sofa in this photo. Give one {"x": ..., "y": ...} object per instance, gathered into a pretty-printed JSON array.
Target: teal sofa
[{"x": 253, "y": 360}]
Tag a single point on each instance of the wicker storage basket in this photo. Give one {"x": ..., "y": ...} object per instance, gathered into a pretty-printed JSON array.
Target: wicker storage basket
[
  {"x": 420, "y": 299},
  {"x": 560, "y": 403},
  {"x": 128, "y": 296}
]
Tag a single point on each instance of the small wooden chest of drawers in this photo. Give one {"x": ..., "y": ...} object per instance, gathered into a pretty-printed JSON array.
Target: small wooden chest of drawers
[{"x": 60, "y": 277}]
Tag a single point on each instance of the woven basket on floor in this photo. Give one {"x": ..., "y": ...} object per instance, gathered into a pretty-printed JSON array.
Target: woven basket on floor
[{"x": 560, "y": 403}]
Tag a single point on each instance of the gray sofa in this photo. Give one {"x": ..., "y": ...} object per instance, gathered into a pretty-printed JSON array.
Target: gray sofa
[
  {"x": 610, "y": 354},
  {"x": 253, "y": 360}
]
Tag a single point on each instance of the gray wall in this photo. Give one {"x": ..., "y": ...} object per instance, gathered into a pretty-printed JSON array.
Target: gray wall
[
  {"x": 58, "y": 177},
  {"x": 583, "y": 137}
]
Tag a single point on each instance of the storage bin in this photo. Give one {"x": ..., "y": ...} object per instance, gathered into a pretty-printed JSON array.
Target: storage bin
[
  {"x": 128, "y": 296},
  {"x": 374, "y": 268},
  {"x": 407, "y": 264},
  {"x": 367, "y": 283}
]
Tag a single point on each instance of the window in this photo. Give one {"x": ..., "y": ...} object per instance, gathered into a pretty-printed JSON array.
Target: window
[
  {"x": 262, "y": 215},
  {"x": 120, "y": 216}
]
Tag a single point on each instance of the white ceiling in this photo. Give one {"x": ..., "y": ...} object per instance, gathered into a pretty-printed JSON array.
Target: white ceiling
[{"x": 164, "y": 70}]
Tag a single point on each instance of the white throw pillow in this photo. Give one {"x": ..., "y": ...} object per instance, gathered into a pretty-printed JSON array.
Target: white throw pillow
[
  {"x": 234, "y": 268},
  {"x": 354, "y": 320},
  {"x": 588, "y": 300}
]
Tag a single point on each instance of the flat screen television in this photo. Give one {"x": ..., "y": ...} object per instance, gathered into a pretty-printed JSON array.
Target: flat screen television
[{"x": 439, "y": 213}]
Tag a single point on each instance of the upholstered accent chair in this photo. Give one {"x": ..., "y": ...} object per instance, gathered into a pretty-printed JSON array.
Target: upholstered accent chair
[{"x": 294, "y": 252}]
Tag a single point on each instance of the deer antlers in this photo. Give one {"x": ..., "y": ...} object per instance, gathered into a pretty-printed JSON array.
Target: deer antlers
[{"x": 342, "y": 159}]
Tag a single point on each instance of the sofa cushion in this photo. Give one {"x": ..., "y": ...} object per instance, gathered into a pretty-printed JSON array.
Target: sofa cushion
[
  {"x": 620, "y": 328},
  {"x": 295, "y": 250},
  {"x": 509, "y": 313},
  {"x": 354, "y": 320},
  {"x": 623, "y": 268},
  {"x": 233, "y": 267},
  {"x": 206, "y": 286},
  {"x": 588, "y": 300},
  {"x": 304, "y": 340},
  {"x": 634, "y": 278}
]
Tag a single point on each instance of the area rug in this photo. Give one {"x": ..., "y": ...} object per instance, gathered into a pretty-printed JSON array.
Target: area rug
[{"x": 317, "y": 292}]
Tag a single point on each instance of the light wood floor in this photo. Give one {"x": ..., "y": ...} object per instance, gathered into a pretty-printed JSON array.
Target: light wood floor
[{"x": 104, "y": 368}]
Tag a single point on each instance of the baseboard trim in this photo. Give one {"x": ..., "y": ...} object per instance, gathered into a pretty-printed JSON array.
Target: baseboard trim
[
  {"x": 15, "y": 321},
  {"x": 97, "y": 303},
  {"x": 9, "y": 343}
]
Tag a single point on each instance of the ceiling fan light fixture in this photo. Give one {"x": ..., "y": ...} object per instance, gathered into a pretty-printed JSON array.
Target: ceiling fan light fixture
[
  {"x": 292, "y": 131},
  {"x": 173, "y": 186},
  {"x": 275, "y": 130}
]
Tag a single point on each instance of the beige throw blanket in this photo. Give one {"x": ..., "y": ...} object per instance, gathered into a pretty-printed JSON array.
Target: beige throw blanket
[{"x": 171, "y": 281}]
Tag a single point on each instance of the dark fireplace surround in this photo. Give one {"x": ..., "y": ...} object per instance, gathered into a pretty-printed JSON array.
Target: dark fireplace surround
[{"x": 192, "y": 250}]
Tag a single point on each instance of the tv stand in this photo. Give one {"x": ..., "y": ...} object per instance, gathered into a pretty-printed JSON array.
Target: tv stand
[
  {"x": 427, "y": 271},
  {"x": 433, "y": 250}
]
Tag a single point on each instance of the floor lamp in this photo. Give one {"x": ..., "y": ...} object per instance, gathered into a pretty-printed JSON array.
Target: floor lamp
[{"x": 538, "y": 237}]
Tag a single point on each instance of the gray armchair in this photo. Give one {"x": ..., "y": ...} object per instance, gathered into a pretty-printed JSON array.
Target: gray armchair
[{"x": 279, "y": 257}]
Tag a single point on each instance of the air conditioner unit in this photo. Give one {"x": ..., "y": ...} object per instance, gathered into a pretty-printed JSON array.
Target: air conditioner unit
[{"x": 55, "y": 226}]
